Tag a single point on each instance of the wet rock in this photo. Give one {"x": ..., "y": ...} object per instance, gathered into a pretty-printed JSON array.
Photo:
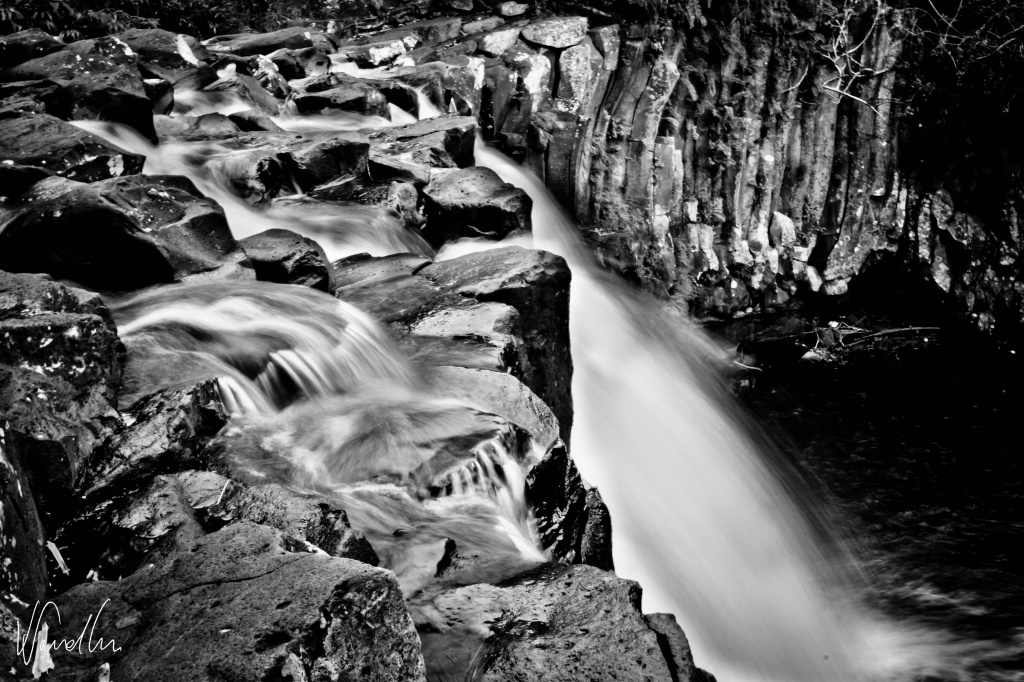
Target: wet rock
[
  {"x": 248, "y": 90},
  {"x": 482, "y": 25},
  {"x": 559, "y": 32},
  {"x": 45, "y": 141},
  {"x": 572, "y": 519},
  {"x": 484, "y": 336},
  {"x": 283, "y": 256},
  {"x": 35, "y": 97},
  {"x": 555, "y": 622},
  {"x": 23, "y": 573},
  {"x": 676, "y": 648},
  {"x": 25, "y": 45},
  {"x": 165, "y": 432},
  {"x": 606, "y": 40},
  {"x": 60, "y": 366},
  {"x": 304, "y": 517},
  {"x": 122, "y": 233},
  {"x": 536, "y": 284},
  {"x": 504, "y": 395},
  {"x": 474, "y": 202},
  {"x": 247, "y": 44},
  {"x": 362, "y": 269},
  {"x": 351, "y": 96},
  {"x": 577, "y": 67},
  {"x": 410, "y": 152},
  {"x": 242, "y": 603},
  {"x": 15, "y": 180},
  {"x": 253, "y": 120},
  {"x": 512, "y": 9},
  {"x": 103, "y": 61},
  {"x": 178, "y": 59},
  {"x": 433, "y": 31},
  {"x": 494, "y": 43},
  {"x": 376, "y": 53}
]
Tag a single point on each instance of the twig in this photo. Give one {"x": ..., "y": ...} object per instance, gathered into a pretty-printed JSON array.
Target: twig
[{"x": 885, "y": 332}]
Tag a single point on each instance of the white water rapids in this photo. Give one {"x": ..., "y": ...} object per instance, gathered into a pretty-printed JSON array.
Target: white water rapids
[{"x": 701, "y": 517}]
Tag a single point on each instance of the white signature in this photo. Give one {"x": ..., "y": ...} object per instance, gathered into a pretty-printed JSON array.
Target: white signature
[{"x": 38, "y": 655}]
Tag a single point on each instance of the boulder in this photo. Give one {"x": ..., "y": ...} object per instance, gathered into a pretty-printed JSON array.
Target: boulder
[
  {"x": 23, "y": 572},
  {"x": 430, "y": 32},
  {"x": 376, "y": 53},
  {"x": 494, "y": 43},
  {"x": 164, "y": 433},
  {"x": 474, "y": 202},
  {"x": 465, "y": 333},
  {"x": 351, "y": 96},
  {"x": 60, "y": 366},
  {"x": 253, "y": 120},
  {"x": 15, "y": 180},
  {"x": 248, "y": 90},
  {"x": 283, "y": 256},
  {"x": 180, "y": 60},
  {"x": 122, "y": 233},
  {"x": 558, "y": 32},
  {"x": 243, "y": 603},
  {"x": 502, "y": 394},
  {"x": 48, "y": 142},
  {"x": 536, "y": 284},
  {"x": 555, "y": 622},
  {"x": 572, "y": 519},
  {"x": 471, "y": 28},
  {"x": 410, "y": 152},
  {"x": 25, "y": 45},
  {"x": 35, "y": 97},
  {"x": 248, "y": 44}
]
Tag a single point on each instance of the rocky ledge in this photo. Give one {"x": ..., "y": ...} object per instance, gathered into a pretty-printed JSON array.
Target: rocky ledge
[{"x": 140, "y": 504}]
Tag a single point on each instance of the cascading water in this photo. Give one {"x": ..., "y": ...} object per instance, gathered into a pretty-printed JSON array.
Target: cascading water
[{"x": 701, "y": 518}]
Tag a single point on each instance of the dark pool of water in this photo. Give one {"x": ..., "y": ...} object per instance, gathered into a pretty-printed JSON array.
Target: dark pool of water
[{"x": 918, "y": 442}]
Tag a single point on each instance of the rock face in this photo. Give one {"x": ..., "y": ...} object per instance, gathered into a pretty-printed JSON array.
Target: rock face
[
  {"x": 283, "y": 256},
  {"x": 23, "y": 575},
  {"x": 245, "y": 603},
  {"x": 473, "y": 202},
  {"x": 122, "y": 233},
  {"x": 60, "y": 365}
]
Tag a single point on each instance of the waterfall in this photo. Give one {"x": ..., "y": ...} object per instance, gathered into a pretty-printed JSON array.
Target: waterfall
[{"x": 702, "y": 519}]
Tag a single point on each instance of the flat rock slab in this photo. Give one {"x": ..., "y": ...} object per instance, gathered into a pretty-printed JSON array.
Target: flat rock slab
[
  {"x": 243, "y": 605},
  {"x": 247, "y": 44},
  {"x": 286, "y": 257},
  {"x": 555, "y": 622},
  {"x": 474, "y": 202},
  {"x": 559, "y": 32},
  {"x": 122, "y": 233},
  {"x": 50, "y": 143}
]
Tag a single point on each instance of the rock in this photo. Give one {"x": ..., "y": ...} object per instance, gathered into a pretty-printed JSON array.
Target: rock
[
  {"x": 247, "y": 44},
  {"x": 35, "y": 97},
  {"x": 482, "y": 25},
  {"x": 430, "y": 32},
  {"x": 461, "y": 5},
  {"x": 15, "y": 180},
  {"x": 23, "y": 571},
  {"x": 61, "y": 148},
  {"x": 248, "y": 90},
  {"x": 512, "y": 9},
  {"x": 606, "y": 40},
  {"x": 122, "y": 233},
  {"x": 577, "y": 67},
  {"x": 536, "y": 284},
  {"x": 243, "y": 604},
  {"x": 283, "y": 256},
  {"x": 676, "y": 647},
  {"x": 253, "y": 120},
  {"x": 25, "y": 45},
  {"x": 366, "y": 270},
  {"x": 494, "y": 43},
  {"x": 304, "y": 517},
  {"x": 60, "y": 366},
  {"x": 501, "y": 394},
  {"x": 555, "y": 622},
  {"x": 178, "y": 59},
  {"x": 164, "y": 433},
  {"x": 410, "y": 152},
  {"x": 374, "y": 54},
  {"x": 350, "y": 96},
  {"x": 558, "y": 32},
  {"x": 472, "y": 202},
  {"x": 106, "y": 62},
  {"x": 783, "y": 230},
  {"x": 572, "y": 519},
  {"x": 484, "y": 336}
]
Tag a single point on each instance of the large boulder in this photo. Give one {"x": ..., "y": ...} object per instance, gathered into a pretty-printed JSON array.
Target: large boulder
[
  {"x": 411, "y": 152},
  {"x": 180, "y": 60},
  {"x": 60, "y": 366},
  {"x": 246, "y": 89},
  {"x": 555, "y": 622},
  {"x": 122, "y": 233},
  {"x": 25, "y": 45},
  {"x": 47, "y": 142},
  {"x": 572, "y": 519},
  {"x": 351, "y": 96},
  {"x": 283, "y": 256},
  {"x": 474, "y": 202},
  {"x": 557, "y": 32},
  {"x": 242, "y": 603},
  {"x": 247, "y": 44}
]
